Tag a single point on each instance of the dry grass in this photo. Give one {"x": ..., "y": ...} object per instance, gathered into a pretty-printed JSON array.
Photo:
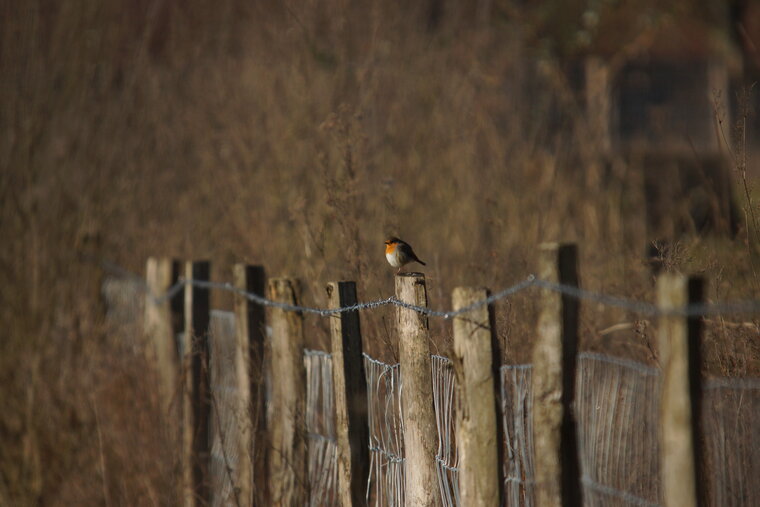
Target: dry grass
[{"x": 296, "y": 138}]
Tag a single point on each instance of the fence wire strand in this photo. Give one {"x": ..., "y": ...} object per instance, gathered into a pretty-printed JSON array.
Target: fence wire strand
[
  {"x": 531, "y": 281},
  {"x": 639, "y": 307}
]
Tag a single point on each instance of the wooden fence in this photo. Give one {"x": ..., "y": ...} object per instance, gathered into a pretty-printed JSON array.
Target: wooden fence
[{"x": 264, "y": 449}]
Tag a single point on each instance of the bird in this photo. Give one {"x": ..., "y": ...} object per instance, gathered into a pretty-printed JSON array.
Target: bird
[{"x": 399, "y": 253}]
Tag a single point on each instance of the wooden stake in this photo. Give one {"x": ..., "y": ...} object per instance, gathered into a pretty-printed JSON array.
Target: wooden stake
[
  {"x": 288, "y": 478},
  {"x": 477, "y": 441},
  {"x": 350, "y": 386},
  {"x": 679, "y": 358},
  {"x": 196, "y": 400},
  {"x": 557, "y": 468},
  {"x": 249, "y": 335},
  {"x": 162, "y": 320},
  {"x": 420, "y": 434}
]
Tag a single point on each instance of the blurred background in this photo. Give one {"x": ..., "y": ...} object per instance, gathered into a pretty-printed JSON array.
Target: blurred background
[{"x": 297, "y": 135}]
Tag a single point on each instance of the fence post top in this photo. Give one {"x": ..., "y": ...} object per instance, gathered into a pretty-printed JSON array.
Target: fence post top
[
  {"x": 284, "y": 289},
  {"x": 244, "y": 265},
  {"x": 412, "y": 274},
  {"x": 332, "y": 284},
  {"x": 548, "y": 245},
  {"x": 551, "y": 246},
  {"x": 160, "y": 258},
  {"x": 154, "y": 263},
  {"x": 671, "y": 277},
  {"x": 339, "y": 290}
]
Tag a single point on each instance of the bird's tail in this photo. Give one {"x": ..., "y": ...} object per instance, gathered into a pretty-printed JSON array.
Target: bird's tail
[{"x": 418, "y": 260}]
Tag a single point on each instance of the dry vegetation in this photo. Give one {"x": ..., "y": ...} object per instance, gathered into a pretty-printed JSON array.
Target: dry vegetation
[{"x": 294, "y": 137}]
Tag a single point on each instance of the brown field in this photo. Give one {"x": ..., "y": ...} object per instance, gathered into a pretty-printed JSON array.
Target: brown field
[{"x": 297, "y": 138}]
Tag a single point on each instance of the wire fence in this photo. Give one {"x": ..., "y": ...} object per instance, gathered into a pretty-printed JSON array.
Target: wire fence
[
  {"x": 731, "y": 467},
  {"x": 227, "y": 423},
  {"x": 617, "y": 410},
  {"x": 385, "y": 485},
  {"x": 445, "y": 400},
  {"x": 517, "y": 424},
  {"x": 384, "y": 386},
  {"x": 616, "y": 406}
]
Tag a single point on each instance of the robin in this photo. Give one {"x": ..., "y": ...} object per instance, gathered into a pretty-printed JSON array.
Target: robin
[{"x": 399, "y": 253}]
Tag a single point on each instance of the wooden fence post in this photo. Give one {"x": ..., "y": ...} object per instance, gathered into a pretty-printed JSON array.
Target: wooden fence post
[
  {"x": 249, "y": 355},
  {"x": 350, "y": 390},
  {"x": 162, "y": 321},
  {"x": 195, "y": 399},
  {"x": 476, "y": 438},
  {"x": 420, "y": 434},
  {"x": 288, "y": 477},
  {"x": 557, "y": 467},
  {"x": 678, "y": 340}
]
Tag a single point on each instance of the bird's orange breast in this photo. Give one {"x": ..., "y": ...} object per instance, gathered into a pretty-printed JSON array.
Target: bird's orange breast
[{"x": 390, "y": 248}]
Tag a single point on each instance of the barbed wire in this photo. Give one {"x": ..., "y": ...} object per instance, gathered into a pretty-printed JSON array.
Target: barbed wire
[
  {"x": 640, "y": 307},
  {"x": 636, "y": 306}
]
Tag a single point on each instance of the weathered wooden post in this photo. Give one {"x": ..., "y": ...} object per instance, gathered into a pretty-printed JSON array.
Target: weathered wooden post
[
  {"x": 162, "y": 320},
  {"x": 286, "y": 415},
  {"x": 420, "y": 434},
  {"x": 678, "y": 340},
  {"x": 350, "y": 385},
  {"x": 557, "y": 468},
  {"x": 477, "y": 436},
  {"x": 195, "y": 378},
  {"x": 249, "y": 381}
]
